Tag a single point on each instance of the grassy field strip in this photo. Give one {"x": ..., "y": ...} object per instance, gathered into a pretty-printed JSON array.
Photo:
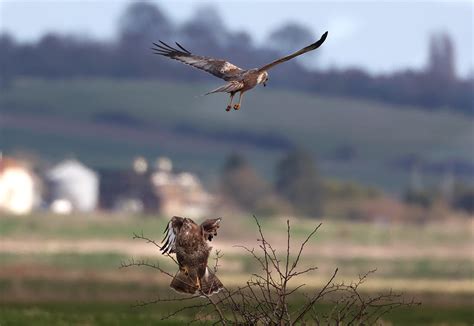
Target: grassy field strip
[
  {"x": 424, "y": 268},
  {"x": 51, "y": 280},
  {"x": 374, "y": 283},
  {"x": 137, "y": 248},
  {"x": 106, "y": 313},
  {"x": 119, "y": 227}
]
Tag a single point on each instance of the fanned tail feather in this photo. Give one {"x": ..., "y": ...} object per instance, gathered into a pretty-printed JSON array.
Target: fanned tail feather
[
  {"x": 230, "y": 87},
  {"x": 184, "y": 283},
  {"x": 210, "y": 284}
]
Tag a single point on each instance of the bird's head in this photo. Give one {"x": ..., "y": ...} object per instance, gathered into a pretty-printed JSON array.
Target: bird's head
[{"x": 263, "y": 78}]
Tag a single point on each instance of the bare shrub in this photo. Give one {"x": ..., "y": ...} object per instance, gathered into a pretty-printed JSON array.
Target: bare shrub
[{"x": 268, "y": 298}]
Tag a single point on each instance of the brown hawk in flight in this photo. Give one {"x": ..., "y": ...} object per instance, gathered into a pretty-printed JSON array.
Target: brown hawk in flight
[
  {"x": 189, "y": 241},
  {"x": 238, "y": 80}
]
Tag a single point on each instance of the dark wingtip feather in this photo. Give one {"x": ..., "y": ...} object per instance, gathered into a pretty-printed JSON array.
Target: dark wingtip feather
[
  {"x": 169, "y": 47},
  {"x": 162, "y": 48},
  {"x": 162, "y": 53},
  {"x": 157, "y": 50},
  {"x": 318, "y": 43},
  {"x": 182, "y": 48},
  {"x": 323, "y": 37},
  {"x": 167, "y": 50},
  {"x": 166, "y": 232},
  {"x": 166, "y": 246}
]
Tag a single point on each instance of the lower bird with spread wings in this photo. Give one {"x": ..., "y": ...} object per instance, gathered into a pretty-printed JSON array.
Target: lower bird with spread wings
[
  {"x": 189, "y": 241},
  {"x": 238, "y": 80}
]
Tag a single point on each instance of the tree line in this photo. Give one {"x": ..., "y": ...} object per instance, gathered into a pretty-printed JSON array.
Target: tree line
[
  {"x": 299, "y": 188},
  {"x": 129, "y": 56}
]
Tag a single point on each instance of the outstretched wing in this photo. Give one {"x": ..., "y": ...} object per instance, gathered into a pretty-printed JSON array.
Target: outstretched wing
[
  {"x": 217, "y": 67},
  {"x": 171, "y": 231},
  {"x": 209, "y": 228},
  {"x": 311, "y": 47}
]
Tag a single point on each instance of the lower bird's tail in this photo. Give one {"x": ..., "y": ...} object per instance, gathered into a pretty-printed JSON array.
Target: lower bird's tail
[
  {"x": 210, "y": 283},
  {"x": 232, "y": 86},
  {"x": 183, "y": 283}
]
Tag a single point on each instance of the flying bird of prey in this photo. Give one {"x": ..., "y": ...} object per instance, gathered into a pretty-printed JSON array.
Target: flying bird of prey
[
  {"x": 189, "y": 241},
  {"x": 238, "y": 79}
]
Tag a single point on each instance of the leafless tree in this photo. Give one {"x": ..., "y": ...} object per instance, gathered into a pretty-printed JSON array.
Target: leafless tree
[{"x": 268, "y": 298}]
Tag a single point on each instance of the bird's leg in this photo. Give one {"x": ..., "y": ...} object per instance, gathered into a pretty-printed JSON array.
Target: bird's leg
[
  {"x": 198, "y": 284},
  {"x": 230, "y": 102},
  {"x": 185, "y": 270},
  {"x": 237, "y": 106}
]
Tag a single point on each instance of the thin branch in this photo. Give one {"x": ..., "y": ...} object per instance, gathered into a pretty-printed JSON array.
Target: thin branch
[
  {"x": 303, "y": 244},
  {"x": 145, "y": 263},
  {"x": 308, "y": 305},
  {"x": 159, "y": 300},
  {"x": 148, "y": 240}
]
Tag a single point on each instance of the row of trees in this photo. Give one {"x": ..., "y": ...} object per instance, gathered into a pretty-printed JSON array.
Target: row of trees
[
  {"x": 298, "y": 186},
  {"x": 59, "y": 56},
  {"x": 461, "y": 197}
]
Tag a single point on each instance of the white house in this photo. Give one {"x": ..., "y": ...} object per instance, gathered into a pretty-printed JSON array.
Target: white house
[
  {"x": 17, "y": 187},
  {"x": 73, "y": 187}
]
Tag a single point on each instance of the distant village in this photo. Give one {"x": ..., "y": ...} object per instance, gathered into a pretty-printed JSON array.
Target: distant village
[
  {"x": 153, "y": 187},
  {"x": 70, "y": 187}
]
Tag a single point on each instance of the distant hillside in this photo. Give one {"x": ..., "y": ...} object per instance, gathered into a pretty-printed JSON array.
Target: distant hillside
[
  {"x": 60, "y": 56},
  {"x": 107, "y": 122}
]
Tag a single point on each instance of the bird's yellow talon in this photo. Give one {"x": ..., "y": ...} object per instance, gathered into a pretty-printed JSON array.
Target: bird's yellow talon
[{"x": 236, "y": 106}]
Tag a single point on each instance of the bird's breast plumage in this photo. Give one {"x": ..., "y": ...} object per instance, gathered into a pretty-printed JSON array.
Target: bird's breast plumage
[
  {"x": 250, "y": 79},
  {"x": 191, "y": 247}
]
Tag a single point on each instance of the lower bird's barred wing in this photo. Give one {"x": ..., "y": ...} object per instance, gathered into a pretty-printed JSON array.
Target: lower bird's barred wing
[
  {"x": 217, "y": 67},
  {"x": 209, "y": 228},
  {"x": 171, "y": 232}
]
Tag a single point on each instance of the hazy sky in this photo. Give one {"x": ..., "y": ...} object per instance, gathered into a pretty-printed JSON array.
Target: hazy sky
[{"x": 380, "y": 36}]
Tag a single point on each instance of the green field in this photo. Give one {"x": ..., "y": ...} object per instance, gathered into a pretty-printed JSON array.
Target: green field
[
  {"x": 55, "y": 119},
  {"x": 123, "y": 314},
  {"x": 65, "y": 269}
]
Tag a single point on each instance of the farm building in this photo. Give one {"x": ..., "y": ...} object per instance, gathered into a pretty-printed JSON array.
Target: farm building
[
  {"x": 18, "y": 191},
  {"x": 180, "y": 193},
  {"x": 72, "y": 187},
  {"x": 155, "y": 190}
]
